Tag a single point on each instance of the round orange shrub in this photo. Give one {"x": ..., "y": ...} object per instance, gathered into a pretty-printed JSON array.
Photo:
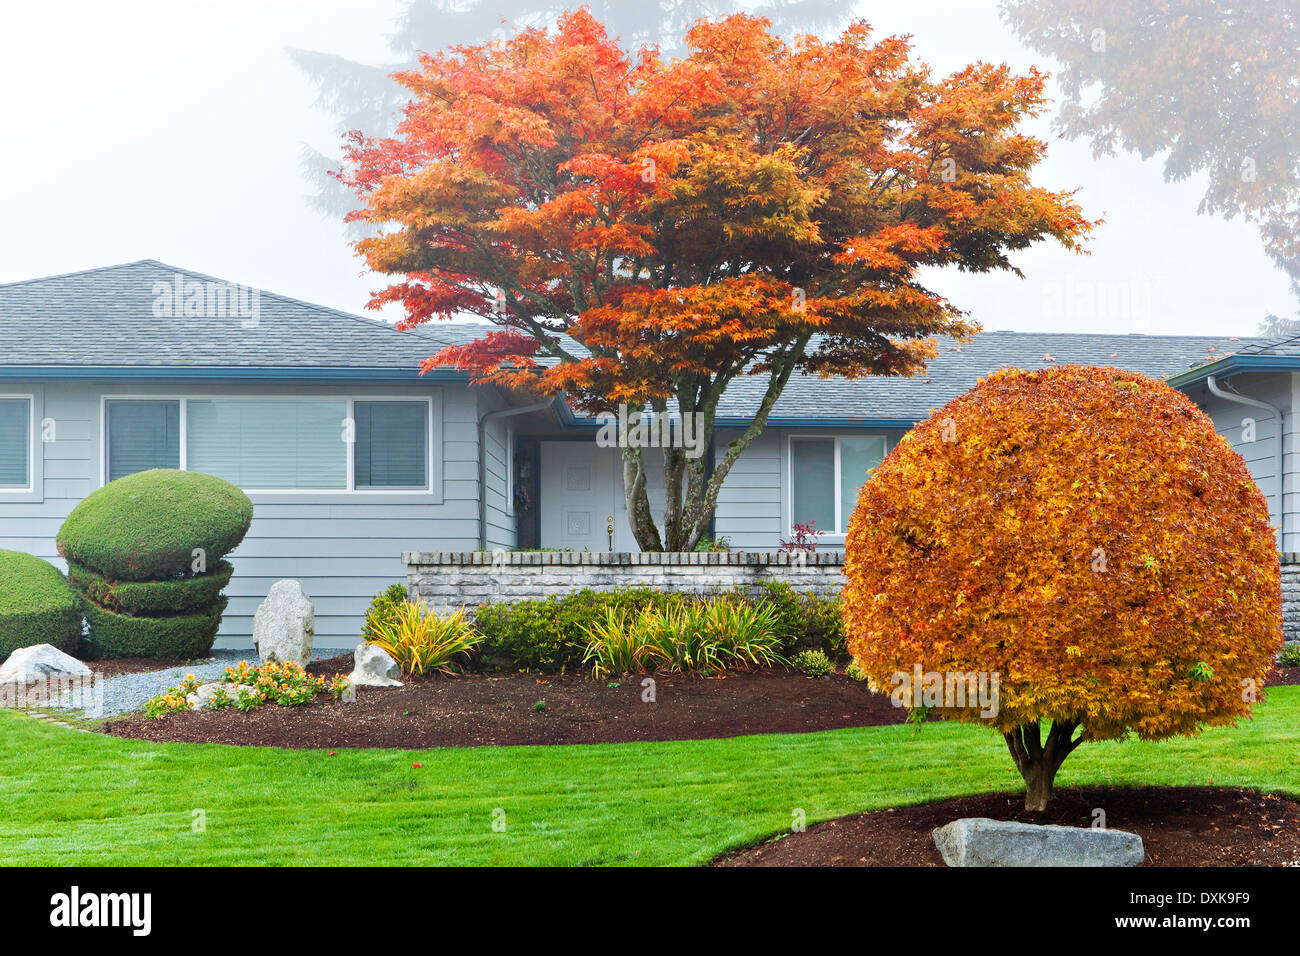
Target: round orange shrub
[{"x": 1086, "y": 535}]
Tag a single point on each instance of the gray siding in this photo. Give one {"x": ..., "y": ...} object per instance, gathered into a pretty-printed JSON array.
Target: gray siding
[
  {"x": 1261, "y": 454},
  {"x": 502, "y": 526},
  {"x": 753, "y": 505},
  {"x": 343, "y": 547}
]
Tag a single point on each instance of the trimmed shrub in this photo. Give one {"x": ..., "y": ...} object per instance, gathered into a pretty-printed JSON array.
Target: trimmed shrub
[
  {"x": 147, "y": 526},
  {"x": 184, "y": 636},
  {"x": 807, "y": 620},
  {"x": 385, "y": 609},
  {"x": 37, "y": 606},
  {"x": 550, "y": 635},
  {"x": 1085, "y": 534},
  {"x": 152, "y": 597},
  {"x": 812, "y": 663},
  {"x": 1290, "y": 656}
]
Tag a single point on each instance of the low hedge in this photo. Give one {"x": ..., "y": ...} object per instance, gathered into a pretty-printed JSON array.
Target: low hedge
[
  {"x": 548, "y": 635},
  {"x": 152, "y": 597},
  {"x": 184, "y": 636},
  {"x": 147, "y": 526},
  {"x": 37, "y": 605}
]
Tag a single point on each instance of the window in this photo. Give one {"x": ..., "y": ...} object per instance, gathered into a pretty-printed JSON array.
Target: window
[
  {"x": 392, "y": 444},
  {"x": 825, "y": 475},
  {"x": 264, "y": 444},
  {"x": 15, "y": 444},
  {"x": 142, "y": 435},
  {"x": 323, "y": 444}
]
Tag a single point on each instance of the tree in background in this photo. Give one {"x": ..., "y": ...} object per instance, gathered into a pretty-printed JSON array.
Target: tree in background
[
  {"x": 1215, "y": 86},
  {"x": 1086, "y": 535},
  {"x": 365, "y": 96},
  {"x": 644, "y": 232}
]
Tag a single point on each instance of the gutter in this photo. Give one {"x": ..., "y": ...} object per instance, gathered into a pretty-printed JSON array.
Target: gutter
[
  {"x": 1236, "y": 399},
  {"x": 482, "y": 459}
]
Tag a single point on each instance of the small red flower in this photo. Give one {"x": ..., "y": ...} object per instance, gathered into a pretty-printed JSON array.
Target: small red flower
[{"x": 417, "y": 766}]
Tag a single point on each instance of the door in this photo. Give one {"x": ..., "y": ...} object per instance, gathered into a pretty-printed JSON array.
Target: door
[{"x": 576, "y": 498}]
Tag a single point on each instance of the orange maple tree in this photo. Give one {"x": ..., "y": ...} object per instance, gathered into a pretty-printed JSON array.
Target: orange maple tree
[
  {"x": 1086, "y": 535},
  {"x": 644, "y": 232}
]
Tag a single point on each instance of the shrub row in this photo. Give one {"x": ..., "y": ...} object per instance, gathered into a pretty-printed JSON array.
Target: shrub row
[{"x": 552, "y": 634}]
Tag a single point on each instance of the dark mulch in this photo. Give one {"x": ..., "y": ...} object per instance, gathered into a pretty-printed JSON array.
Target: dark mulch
[
  {"x": 1283, "y": 676},
  {"x": 475, "y": 710},
  {"x": 1179, "y": 826}
]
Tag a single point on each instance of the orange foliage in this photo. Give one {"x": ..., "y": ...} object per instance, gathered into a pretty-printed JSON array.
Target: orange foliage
[
  {"x": 1085, "y": 534},
  {"x": 691, "y": 220}
]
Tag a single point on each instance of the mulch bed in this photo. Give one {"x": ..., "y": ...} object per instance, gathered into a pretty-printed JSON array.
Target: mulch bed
[
  {"x": 1179, "y": 826},
  {"x": 474, "y": 710}
]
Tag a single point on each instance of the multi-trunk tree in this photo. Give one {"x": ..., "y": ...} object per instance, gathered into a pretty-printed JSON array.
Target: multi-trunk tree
[{"x": 644, "y": 232}]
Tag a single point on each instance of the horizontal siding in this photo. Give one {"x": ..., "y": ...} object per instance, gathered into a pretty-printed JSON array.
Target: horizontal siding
[{"x": 341, "y": 550}]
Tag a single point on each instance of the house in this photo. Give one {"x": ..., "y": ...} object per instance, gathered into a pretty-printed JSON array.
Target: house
[{"x": 351, "y": 457}]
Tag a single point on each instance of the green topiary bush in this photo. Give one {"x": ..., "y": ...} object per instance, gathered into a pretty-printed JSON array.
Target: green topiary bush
[
  {"x": 37, "y": 605},
  {"x": 152, "y": 597},
  {"x": 145, "y": 553},
  {"x": 183, "y": 636},
  {"x": 148, "y": 526}
]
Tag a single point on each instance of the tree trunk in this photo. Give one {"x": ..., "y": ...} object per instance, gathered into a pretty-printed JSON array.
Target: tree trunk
[{"x": 1039, "y": 762}]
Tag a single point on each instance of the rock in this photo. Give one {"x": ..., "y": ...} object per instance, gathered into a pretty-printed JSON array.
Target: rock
[
  {"x": 39, "y": 662},
  {"x": 203, "y": 697},
  {"x": 979, "y": 841},
  {"x": 284, "y": 626},
  {"x": 374, "y": 668}
]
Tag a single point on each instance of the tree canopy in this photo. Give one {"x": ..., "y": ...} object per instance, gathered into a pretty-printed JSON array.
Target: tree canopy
[{"x": 645, "y": 231}]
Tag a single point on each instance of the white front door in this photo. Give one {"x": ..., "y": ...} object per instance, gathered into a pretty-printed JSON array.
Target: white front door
[{"x": 576, "y": 498}]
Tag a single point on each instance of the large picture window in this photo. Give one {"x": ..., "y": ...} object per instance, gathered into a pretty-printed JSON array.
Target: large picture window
[
  {"x": 15, "y": 443},
  {"x": 308, "y": 444},
  {"x": 825, "y": 476}
]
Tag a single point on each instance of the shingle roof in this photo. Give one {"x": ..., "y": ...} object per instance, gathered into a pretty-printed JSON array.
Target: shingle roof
[
  {"x": 105, "y": 318},
  {"x": 1286, "y": 347},
  {"x": 959, "y": 366}
]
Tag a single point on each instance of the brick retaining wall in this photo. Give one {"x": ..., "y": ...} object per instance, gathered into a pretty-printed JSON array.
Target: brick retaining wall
[{"x": 446, "y": 580}]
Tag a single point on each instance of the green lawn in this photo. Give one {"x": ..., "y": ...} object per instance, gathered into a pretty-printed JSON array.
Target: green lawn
[{"x": 76, "y": 798}]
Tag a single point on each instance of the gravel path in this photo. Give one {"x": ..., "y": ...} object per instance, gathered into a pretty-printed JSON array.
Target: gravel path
[{"x": 127, "y": 692}]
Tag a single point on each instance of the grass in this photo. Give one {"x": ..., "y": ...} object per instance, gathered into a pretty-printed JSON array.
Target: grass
[{"x": 86, "y": 799}]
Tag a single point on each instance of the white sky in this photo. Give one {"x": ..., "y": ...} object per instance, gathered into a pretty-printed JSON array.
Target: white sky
[{"x": 157, "y": 129}]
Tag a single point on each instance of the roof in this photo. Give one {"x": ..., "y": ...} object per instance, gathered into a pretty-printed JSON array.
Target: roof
[
  {"x": 104, "y": 322},
  {"x": 109, "y": 318},
  {"x": 1256, "y": 355},
  {"x": 884, "y": 401}
]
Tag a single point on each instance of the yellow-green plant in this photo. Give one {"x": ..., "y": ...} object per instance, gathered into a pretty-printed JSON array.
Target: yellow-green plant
[
  {"x": 421, "y": 641},
  {"x": 699, "y": 637}
]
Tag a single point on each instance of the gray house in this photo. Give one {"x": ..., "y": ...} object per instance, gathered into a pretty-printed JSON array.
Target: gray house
[{"x": 352, "y": 457}]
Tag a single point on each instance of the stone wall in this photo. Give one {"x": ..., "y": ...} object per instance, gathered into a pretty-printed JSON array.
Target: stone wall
[
  {"x": 1291, "y": 595},
  {"x": 446, "y": 580}
]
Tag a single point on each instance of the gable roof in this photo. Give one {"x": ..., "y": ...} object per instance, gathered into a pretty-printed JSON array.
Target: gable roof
[
  {"x": 105, "y": 318},
  {"x": 101, "y": 322}
]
